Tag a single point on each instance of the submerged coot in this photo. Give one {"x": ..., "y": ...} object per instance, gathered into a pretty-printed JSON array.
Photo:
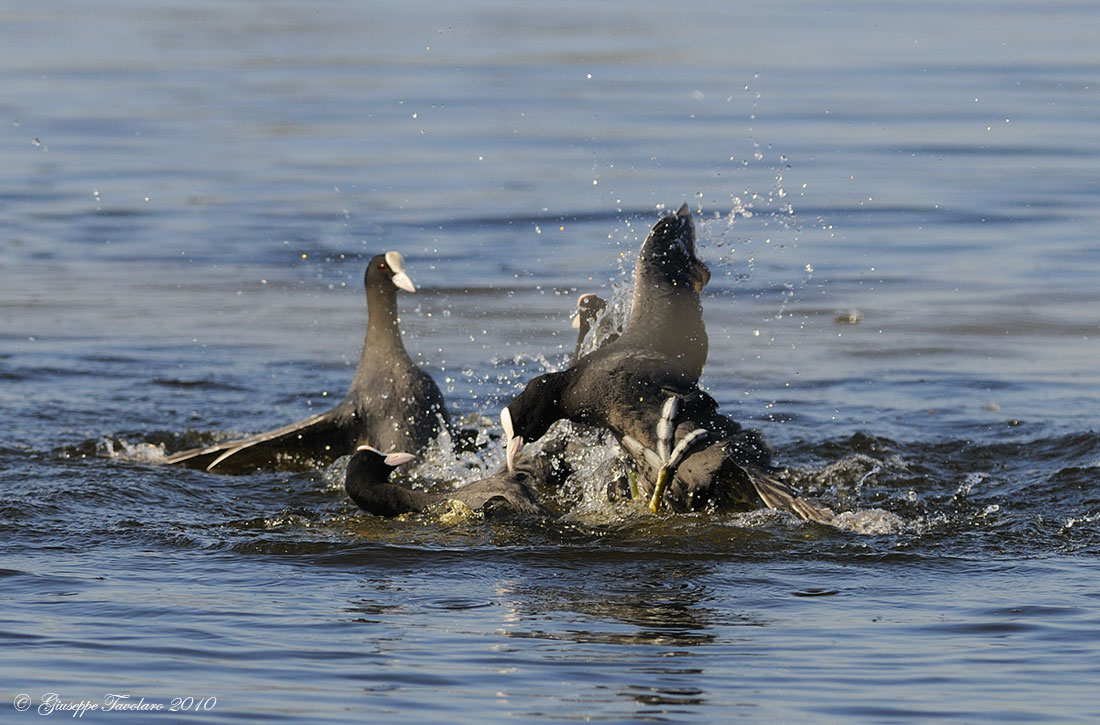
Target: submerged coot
[{"x": 508, "y": 491}]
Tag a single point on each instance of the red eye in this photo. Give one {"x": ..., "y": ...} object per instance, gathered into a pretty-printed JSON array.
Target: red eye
[{"x": 382, "y": 265}]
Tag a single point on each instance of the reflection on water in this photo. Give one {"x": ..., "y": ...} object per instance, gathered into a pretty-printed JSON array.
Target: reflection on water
[
  {"x": 657, "y": 605},
  {"x": 645, "y": 620}
]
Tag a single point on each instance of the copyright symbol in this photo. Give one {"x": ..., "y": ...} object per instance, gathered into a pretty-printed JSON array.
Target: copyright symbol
[{"x": 22, "y": 702}]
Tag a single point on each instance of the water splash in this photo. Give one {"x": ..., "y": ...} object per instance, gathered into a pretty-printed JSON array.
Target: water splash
[
  {"x": 873, "y": 521},
  {"x": 122, "y": 449}
]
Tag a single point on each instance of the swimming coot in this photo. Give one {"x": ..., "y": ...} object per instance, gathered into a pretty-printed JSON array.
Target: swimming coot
[{"x": 391, "y": 403}]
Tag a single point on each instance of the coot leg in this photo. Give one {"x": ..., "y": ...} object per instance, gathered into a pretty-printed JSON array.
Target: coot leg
[
  {"x": 668, "y": 468},
  {"x": 666, "y": 458}
]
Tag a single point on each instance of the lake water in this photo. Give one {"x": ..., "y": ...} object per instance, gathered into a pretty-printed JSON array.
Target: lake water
[{"x": 899, "y": 205}]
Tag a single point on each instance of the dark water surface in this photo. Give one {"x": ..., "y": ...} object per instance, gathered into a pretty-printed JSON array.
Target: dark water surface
[{"x": 899, "y": 206}]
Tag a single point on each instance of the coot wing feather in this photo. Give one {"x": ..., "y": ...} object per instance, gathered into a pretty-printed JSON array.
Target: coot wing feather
[{"x": 320, "y": 432}]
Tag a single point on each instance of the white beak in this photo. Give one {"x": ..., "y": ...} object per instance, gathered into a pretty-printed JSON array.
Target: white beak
[
  {"x": 396, "y": 261},
  {"x": 392, "y": 459},
  {"x": 398, "y": 457},
  {"x": 515, "y": 445}
]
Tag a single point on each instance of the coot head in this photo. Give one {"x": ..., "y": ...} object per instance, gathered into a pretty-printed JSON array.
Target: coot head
[
  {"x": 589, "y": 307},
  {"x": 367, "y": 483},
  {"x": 371, "y": 466},
  {"x": 668, "y": 255},
  {"x": 388, "y": 268},
  {"x": 532, "y": 412},
  {"x": 666, "y": 313}
]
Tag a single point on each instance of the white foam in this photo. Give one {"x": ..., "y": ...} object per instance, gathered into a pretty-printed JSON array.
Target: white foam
[
  {"x": 126, "y": 451},
  {"x": 870, "y": 521},
  {"x": 1076, "y": 520}
]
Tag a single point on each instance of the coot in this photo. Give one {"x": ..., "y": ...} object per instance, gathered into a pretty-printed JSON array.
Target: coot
[
  {"x": 391, "y": 405},
  {"x": 625, "y": 386}
]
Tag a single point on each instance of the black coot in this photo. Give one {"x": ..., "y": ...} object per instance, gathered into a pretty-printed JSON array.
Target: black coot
[
  {"x": 391, "y": 403},
  {"x": 626, "y": 386}
]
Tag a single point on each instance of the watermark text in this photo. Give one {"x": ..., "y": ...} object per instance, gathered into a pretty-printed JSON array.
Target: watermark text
[{"x": 53, "y": 703}]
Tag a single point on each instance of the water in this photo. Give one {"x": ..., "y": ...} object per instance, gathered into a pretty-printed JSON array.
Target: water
[{"x": 898, "y": 204}]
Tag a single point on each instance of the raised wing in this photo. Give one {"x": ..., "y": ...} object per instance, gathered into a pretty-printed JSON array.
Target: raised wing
[{"x": 323, "y": 436}]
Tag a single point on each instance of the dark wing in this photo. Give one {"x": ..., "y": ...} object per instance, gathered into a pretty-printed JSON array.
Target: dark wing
[
  {"x": 778, "y": 496},
  {"x": 321, "y": 437}
]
